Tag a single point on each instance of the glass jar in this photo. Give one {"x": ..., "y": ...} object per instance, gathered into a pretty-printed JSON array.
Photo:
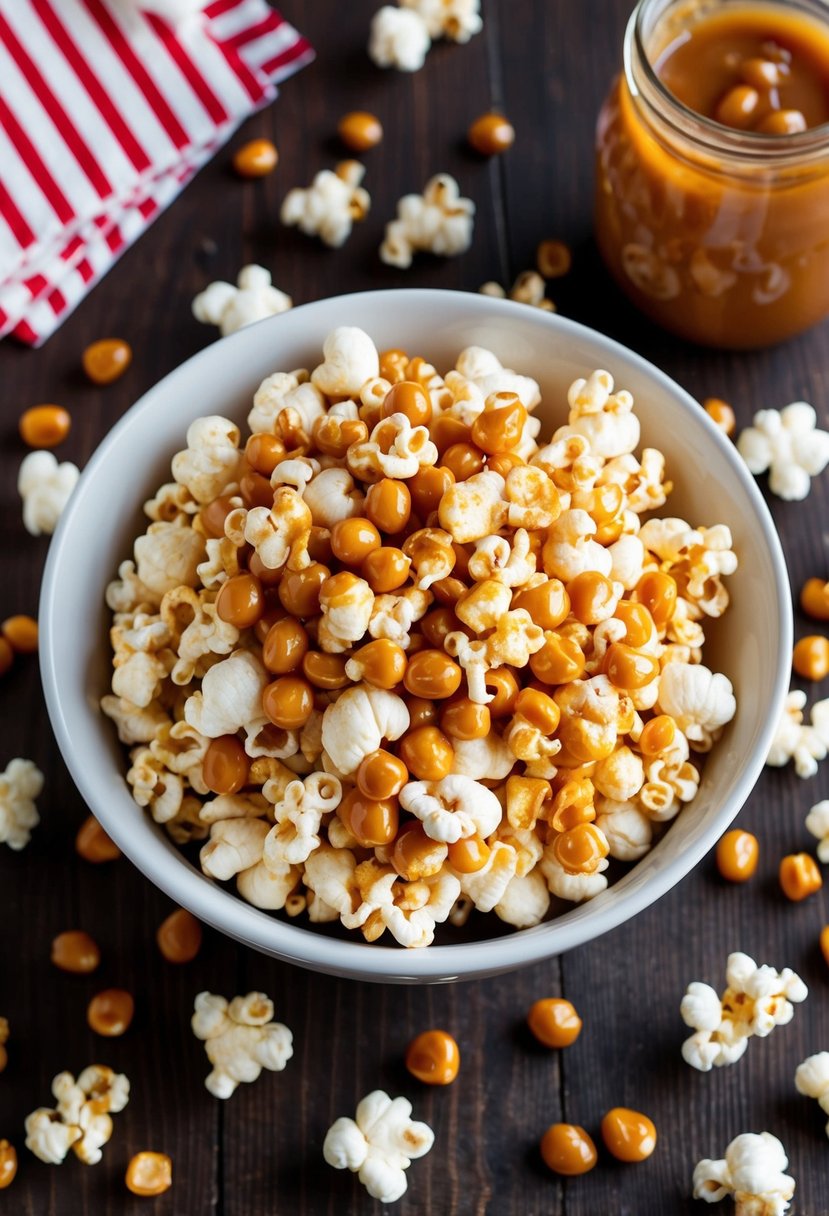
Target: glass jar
[{"x": 720, "y": 235}]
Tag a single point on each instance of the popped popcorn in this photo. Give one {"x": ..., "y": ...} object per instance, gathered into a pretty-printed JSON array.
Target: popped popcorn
[
  {"x": 805, "y": 744},
  {"x": 457, "y": 20},
  {"x": 812, "y": 1080},
  {"x": 525, "y": 598},
  {"x": 755, "y": 1001},
  {"x": 378, "y": 1144},
  {"x": 331, "y": 205},
  {"x": 252, "y": 299},
  {"x": 240, "y": 1039},
  {"x": 439, "y": 221},
  {"x": 20, "y": 784},
  {"x": 817, "y": 822},
  {"x": 528, "y": 288},
  {"x": 752, "y": 1173},
  {"x": 80, "y": 1119},
  {"x": 45, "y": 487},
  {"x": 789, "y": 445},
  {"x": 399, "y": 38}
]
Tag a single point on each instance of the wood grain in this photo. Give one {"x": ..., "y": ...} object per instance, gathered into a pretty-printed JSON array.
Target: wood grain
[{"x": 547, "y": 63}]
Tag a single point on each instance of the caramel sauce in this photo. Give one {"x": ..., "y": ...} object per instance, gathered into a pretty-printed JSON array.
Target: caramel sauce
[
  {"x": 772, "y": 53},
  {"x": 714, "y": 218}
]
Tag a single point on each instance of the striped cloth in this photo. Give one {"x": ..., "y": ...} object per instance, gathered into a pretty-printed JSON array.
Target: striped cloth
[{"x": 106, "y": 112}]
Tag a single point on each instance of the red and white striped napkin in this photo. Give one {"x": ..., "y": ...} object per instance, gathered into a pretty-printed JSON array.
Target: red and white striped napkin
[{"x": 106, "y": 112}]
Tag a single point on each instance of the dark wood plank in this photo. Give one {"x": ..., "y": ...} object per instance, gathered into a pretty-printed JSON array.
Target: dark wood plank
[{"x": 548, "y": 63}]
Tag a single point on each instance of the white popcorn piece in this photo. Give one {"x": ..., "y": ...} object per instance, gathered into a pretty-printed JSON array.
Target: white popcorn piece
[
  {"x": 230, "y": 698},
  {"x": 755, "y": 1001},
  {"x": 211, "y": 458},
  {"x": 452, "y": 808},
  {"x": 45, "y": 487},
  {"x": 330, "y": 206},
  {"x": 167, "y": 556},
  {"x": 134, "y": 725},
  {"x": 394, "y": 448},
  {"x": 817, "y": 822},
  {"x": 378, "y": 1144},
  {"x": 275, "y": 393},
  {"x": 279, "y": 534},
  {"x": 700, "y": 702},
  {"x": 604, "y": 418},
  {"x": 252, "y": 299},
  {"x": 357, "y": 722},
  {"x": 346, "y": 603},
  {"x": 510, "y": 563},
  {"x": 392, "y": 617},
  {"x": 485, "y": 371},
  {"x": 234, "y": 846},
  {"x": 525, "y": 901},
  {"x": 399, "y": 38},
  {"x": 487, "y": 887},
  {"x": 529, "y": 288},
  {"x": 626, "y": 827},
  {"x": 350, "y": 358},
  {"x": 458, "y": 20},
  {"x": 473, "y": 509},
  {"x": 575, "y": 888},
  {"x": 570, "y": 550},
  {"x": 789, "y": 445},
  {"x": 805, "y": 744},
  {"x": 752, "y": 1173},
  {"x": 440, "y": 221},
  {"x": 332, "y": 496},
  {"x": 298, "y": 815},
  {"x": 812, "y": 1080},
  {"x": 80, "y": 1119},
  {"x": 20, "y": 783},
  {"x": 240, "y": 1039},
  {"x": 489, "y": 757},
  {"x": 153, "y": 786}
]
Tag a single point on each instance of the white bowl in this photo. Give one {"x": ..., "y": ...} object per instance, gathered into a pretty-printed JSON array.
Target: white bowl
[{"x": 751, "y": 644}]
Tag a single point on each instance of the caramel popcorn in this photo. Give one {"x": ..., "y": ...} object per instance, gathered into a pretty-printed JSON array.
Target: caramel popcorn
[
  {"x": 387, "y": 683},
  {"x": 439, "y": 221}
]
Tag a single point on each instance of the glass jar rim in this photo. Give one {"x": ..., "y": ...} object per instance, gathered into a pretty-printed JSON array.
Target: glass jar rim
[{"x": 749, "y": 146}]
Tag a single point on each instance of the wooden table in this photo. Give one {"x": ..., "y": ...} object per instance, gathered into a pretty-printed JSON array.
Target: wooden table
[{"x": 547, "y": 63}]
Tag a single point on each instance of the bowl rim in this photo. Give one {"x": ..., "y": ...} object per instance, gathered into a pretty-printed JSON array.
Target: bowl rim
[{"x": 228, "y": 912}]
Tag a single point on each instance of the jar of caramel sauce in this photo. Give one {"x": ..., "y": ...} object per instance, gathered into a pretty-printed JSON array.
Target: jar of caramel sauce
[{"x": 712, "y": 191}]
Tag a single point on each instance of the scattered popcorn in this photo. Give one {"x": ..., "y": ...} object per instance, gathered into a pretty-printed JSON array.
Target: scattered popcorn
[
  {"x": 812, "y": 1080},
  {"x": 789, "y": 445},
  {"x": 378, "y": 1144},
  {"x": 331, "y": 204},
  {"x": 399, "y": 38},
  {"x": 240, "y": 1039},
  {"x": 20, "y": 784},
  {"x": 562, "y": 632},
  {"x": 252, "y": 299},
  {"x": 457, "y": 20},
  {"x": 528, "y": 288},
  {"x": 756, "y": 1000},
  {"x": 793, "y": 740},
  {"x": 439, "y": 221},
  {"x": 817, "y": 822},
  {"x": 752, "y": 1173},
  {"x": 80, "y": 1119},
  {"x": 45, "y": 487}
]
